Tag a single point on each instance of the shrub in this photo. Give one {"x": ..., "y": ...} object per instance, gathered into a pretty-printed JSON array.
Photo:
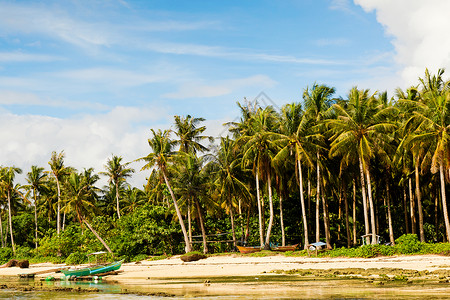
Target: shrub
[
  {"x": 24, "y": 253},
  {"x": 5, "y": 255},
  {"x": 76, "y": 258},
  {"x": 408, "y": 244}
]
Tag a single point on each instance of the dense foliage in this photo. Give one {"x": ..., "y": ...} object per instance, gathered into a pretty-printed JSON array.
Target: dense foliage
[{"x": 365, "y": 168}]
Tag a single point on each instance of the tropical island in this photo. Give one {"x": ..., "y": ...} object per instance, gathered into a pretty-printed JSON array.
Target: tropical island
[{"x": 364, "y": 169}]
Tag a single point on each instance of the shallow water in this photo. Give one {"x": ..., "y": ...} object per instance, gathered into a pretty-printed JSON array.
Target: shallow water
[{"x": 260, "y": 287}]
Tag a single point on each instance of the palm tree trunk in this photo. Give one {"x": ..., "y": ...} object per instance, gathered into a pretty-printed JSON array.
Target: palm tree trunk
[
  {"x": 388, "y": 200},
  {"x": 58, "y": 212},
  {"x": 419, "y": 202},
  {"x": 1, "y": 229},
  {"x": 405, "y": 210},
  {"x": 347, "y": 223},
  {"x": 412, "y": 207},
  {"x": 326, "y": 221},
  {"x": 188, "y": 247},
  {"x": 318, "y": 201},
  {"x": 269, "y": 227},
  {"x": 96, "y": 235},
  {"x": 189, "y": 221},
  {"x": 202, "y": 226},
  {"x": 283, "y": 235},
  {"x": 302, "y": 202},
  {"x": 10, "y": 223},
  {"x": 364, "y": 199},
  {"x": 355, "y": 240},
  {"x": 63, "y": 221},
  {"x": 371, "y": 207},
  {"x": 35, "y": 221},
  {"x": 233, "y": 230},
  {"x": 444, "y": 199},
  {"x": 117, "y": 199},
  {"x": 258, "y": 199}
]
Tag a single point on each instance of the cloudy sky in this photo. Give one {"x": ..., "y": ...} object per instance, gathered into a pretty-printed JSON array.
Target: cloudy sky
[{"x": 91, "y": 77}]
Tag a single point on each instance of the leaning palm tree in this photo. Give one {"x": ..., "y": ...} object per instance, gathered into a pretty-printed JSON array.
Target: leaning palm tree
[
  {"x": 161, "y": 157},
  {"x": 360, "y": 130},
  {"x": 81, "y": 197},
  {"x": 117, "y": 173},
  {"x": 37, "y": 184},
  {"x": 7, "y": 176}
]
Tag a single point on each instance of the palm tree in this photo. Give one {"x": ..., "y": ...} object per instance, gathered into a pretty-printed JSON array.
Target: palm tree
[
  {"x": 7, "y": 176},
  {"x": 229, "y": 176},
  {"x": 58, "y": 170},
  {"x": 317, "y": 102},
  {"x": 133, "y": 199},
  {"x": 161, "y": 157},
  {"x": 192, "y": 185},
  {"x": 295, "y": 138},
  {"x": 361, "y": 129},
  {"x": 189, "y": 134},
  {"x": 81, "y": 197},
  {"x": 36, "y": 184},
  {"x": 432, "y": 118},
  {"x": 117, "y": 173},
  {"x": 258, "y": 153}
]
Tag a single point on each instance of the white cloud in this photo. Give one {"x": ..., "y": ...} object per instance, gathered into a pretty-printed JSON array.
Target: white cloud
[
  {"x": 195, "y": 89},
  {"x": 420, "y": 33},
  {"x": 88, "y": 141}
]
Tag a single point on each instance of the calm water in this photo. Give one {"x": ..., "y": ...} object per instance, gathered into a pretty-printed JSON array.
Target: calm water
[{"x": 263, "y": 287}]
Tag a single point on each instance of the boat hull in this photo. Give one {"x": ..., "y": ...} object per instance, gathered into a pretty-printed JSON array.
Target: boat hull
[
  {"x": 93, "y": 270},
  {"x": 246, "y": 250},
  {"x": 285, "y": 248}
]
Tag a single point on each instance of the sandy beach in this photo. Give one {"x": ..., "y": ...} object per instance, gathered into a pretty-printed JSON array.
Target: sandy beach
[
  {"x": 194, "y": 277},
  {"x": 237, "y": 265}
]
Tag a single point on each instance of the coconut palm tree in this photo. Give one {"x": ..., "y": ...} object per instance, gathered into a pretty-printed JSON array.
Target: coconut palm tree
[
  {"x": 258, "y": 152},
  {"x": 431, "y": 116},
  {"x": 81, "y": 198},
  {"x": 7, "y": 176},
  {"x": 317, "y": 102},
  {"x": 296, "y": 138},
  {"x": 161, "y": 156},
  {"x": 361, "y": 129},
  {"x": 58, "y": 171},
  {"x": 229, "y": 178},
  {"x": 37, "y": 184},
  {"x": 189, "y": 134},
  {"x": 117, "y": 173},
  {"x": 192, "y": 185}
]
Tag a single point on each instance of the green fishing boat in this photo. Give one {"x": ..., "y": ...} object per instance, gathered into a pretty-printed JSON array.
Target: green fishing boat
[{"x": 93, "y": 270}]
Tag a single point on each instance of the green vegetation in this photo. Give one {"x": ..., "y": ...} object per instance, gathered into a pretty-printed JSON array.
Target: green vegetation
[{"x": 328, "y": 169}]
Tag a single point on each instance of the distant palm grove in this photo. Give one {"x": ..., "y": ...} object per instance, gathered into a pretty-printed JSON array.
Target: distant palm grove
[{"x": 365, "y": 168}]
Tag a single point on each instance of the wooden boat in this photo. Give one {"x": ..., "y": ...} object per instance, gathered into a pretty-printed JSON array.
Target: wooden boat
[
  {"x": 285, "y": 248},
  {"x": 245, "y": 250},
  {"x": 93, "y": 270}
]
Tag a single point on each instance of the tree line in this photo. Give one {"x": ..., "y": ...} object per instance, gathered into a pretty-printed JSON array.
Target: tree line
[{"x": 330, "y": 169}]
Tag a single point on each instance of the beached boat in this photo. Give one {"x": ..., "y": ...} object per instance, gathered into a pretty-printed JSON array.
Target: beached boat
[
  {"x": 94, "y": 270},
  {"x": 245, "y": 250},
  {"x": 285, "y": 248}
]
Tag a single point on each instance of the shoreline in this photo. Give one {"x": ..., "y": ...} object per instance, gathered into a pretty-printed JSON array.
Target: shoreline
[
  {"x": 249, "y": 275},
  {"x": 243, "y": 265}
]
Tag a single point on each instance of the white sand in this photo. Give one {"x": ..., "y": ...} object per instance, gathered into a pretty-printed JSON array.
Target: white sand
[{"x": 236, "y": 265}]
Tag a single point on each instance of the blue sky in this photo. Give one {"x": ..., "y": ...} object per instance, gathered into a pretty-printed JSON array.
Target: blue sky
[{"x": 92, "y": 77}]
